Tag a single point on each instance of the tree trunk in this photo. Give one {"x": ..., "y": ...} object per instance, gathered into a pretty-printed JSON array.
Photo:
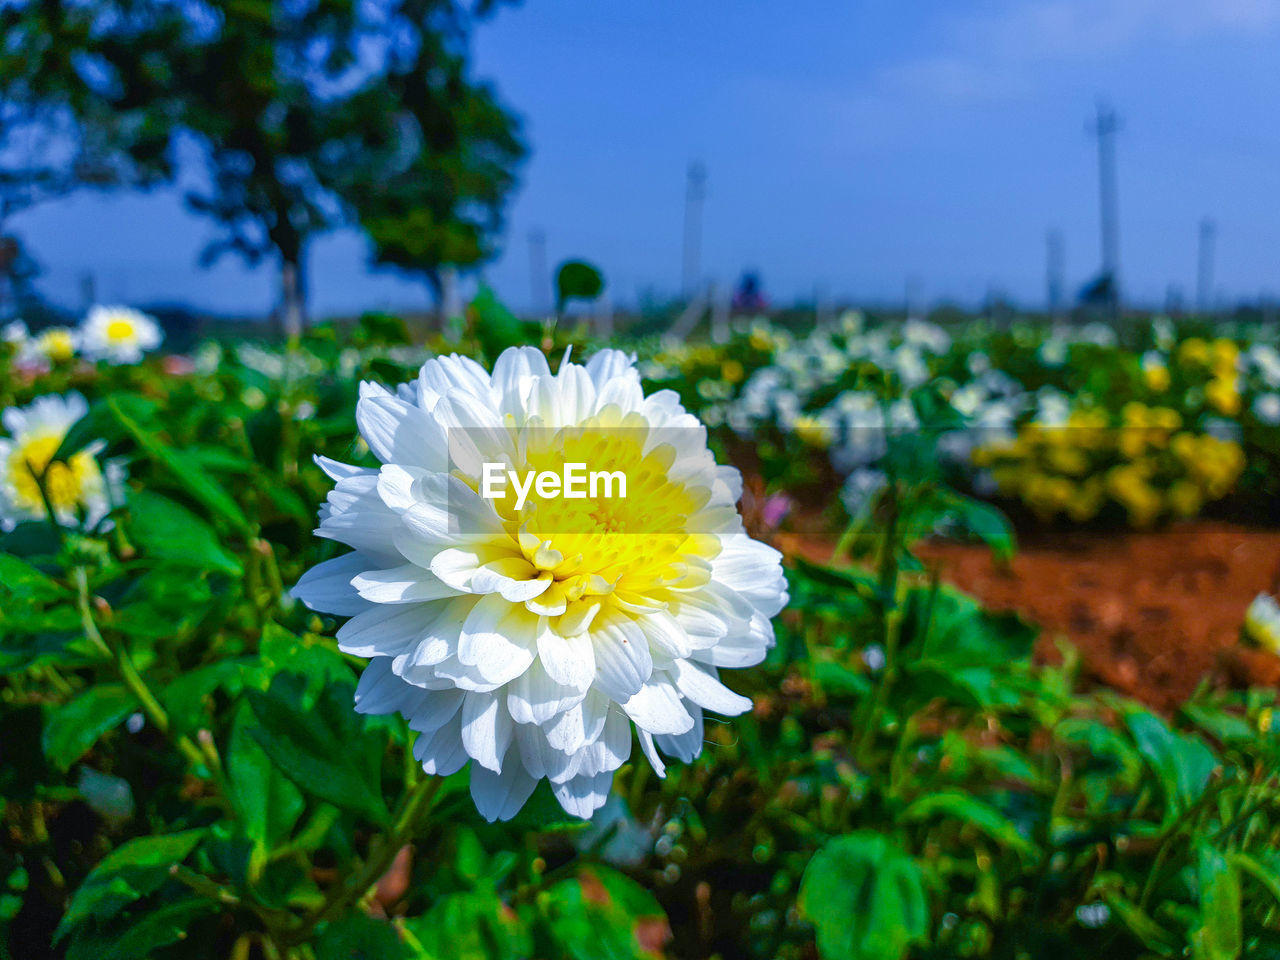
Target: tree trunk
[{"x": 293, "y": 298}]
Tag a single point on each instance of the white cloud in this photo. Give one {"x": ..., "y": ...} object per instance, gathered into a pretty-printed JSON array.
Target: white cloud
[{"x": 993, "y": 56}]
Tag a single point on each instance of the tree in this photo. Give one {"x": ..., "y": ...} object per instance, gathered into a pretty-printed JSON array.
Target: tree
[
  {"x": 291, "y": 104},
  {"x": 431, "y": 189},
  {"x": 56, "y": 131}
]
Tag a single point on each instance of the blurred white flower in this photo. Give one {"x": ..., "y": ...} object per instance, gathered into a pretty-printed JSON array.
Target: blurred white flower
[
  {"x": 861, "y": 488},
  {"x": 928, "y": 336},
  {"x": 1053, "y": 352},
  {"x": 1262, "y": 622},
  {"x": 51, "y": 345},
  {"x": 118, "y": 334},
  {"x": 528, "y": 640},
  {"x": 1265, "y": 359},
  {"x": 1267, "y": 408},
  {"x": 15, "y": 331},
  {"x": 77, "y": 488}
]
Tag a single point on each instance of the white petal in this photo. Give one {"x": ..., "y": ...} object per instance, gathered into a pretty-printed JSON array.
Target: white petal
[
  {"x": 568, "y": 660},
  {"x": 623, "y": 661},
  {"x": 683, "y": 746},
  {"x": 500, "y": 796},
  {"x": 387, "y": 630},
  {"x": 486, "y": 729},
  {"x": 399, "y": 432},
  {"x": 440, "y": 752},
  {"x": 741, "y": 649},
  {"x": 435, "y": 709},
  {"x": 533, "y": 697},
  {"x": 327, "y": 586},
  {"x": 338, "y": 470},
  {"x": 498, "y": 639},
  {"x": 656, "y": 707},
  {"x": 407, "y": 583},
  {"x": 381, "y": 691},
  {"x": 583, "y": 795},
  {"x": 651, "y": 752},
  {"x": 580, "y": 724},
  {"x": 702, "y": 687}
]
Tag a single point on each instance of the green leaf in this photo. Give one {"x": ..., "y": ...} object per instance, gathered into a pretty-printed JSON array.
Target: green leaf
[
  {"x": 604, "y": 915},
  {"x": 98, "y": 424},
  {"x": 1182, "y": 763},
  {"x": 131, "y": 871},
  {"x": 496, "y": 327},
  {"x": 866, "y": 898},
  {"x": 980, "y": 520},
  {"x": 140, "y": 935},
  {"x": 360, "y": 937},
  {"x": 19, "y": 578},
  {"x": 1264, "y": 874},
  {"x": 309, "y": 656},
  {"x": 1220, "y": 933},
  {"x": 184, "y": 697},
  {"x": 168, "y": 531},
  {"x": 75, "y": 726},
  {"x": 953, "y": 629},
  {"x": 268, "y": 803},
  {"x": 470, "y": 925},
  {"x": 186, "y": 470},
  {"x": 975, "y": 813},
  {"x": 324, "y": 750},
  {"x": 1153, "y": 936}
]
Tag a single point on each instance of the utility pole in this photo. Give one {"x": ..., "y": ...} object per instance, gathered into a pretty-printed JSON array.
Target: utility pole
[
  {"x": 1055, "y": 267},
  {"x": 538, "y": 276},
  {"x": 1204, "y": 269},
  {"x": 695, "y": 193},
  {"x": 1104, "y": 127}
]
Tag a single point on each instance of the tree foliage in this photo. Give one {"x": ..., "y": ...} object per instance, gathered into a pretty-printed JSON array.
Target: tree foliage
[{"x": 305, "y": 116}]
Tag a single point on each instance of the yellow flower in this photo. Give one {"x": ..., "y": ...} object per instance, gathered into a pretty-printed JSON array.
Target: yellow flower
[
  {"x": 732, "y": 371},
  {"x": 1223, "y": 394},
  {"x": 1225, "y": 354},
  {"x": 1185, "y": 499},
  {"x": 812, "y": 431},
  {"x": 1193, "y": 352},
  {"x": 1156, "y": 377},
  {"x": 57, "y": 343},
  {"x": 1264, "y": 720},
  {"x": 1068, "y": 460}
]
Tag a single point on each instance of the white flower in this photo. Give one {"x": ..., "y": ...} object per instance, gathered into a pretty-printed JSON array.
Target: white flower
[
  {"x": 528, "y": 641},
  {"x": 49, "y": 346},
  {"x": 75, "y": 488},
  {"x": 118, "y": 334},
  {"x": 1262, "y": 622},
  {"x": 1267, "y": 408},
  {"x": 15, "y": 332}
]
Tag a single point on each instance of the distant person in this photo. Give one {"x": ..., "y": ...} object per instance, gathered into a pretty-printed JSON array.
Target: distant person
[{"x": 749, "y": 298}]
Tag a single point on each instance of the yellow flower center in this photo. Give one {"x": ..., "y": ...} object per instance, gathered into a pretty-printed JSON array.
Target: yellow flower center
[
  {"x": 118, "y": 330},
  {"x": 626, "y": 551},
  {"x": 64, "y": 481},
  {"x": 57, "y": 345}
]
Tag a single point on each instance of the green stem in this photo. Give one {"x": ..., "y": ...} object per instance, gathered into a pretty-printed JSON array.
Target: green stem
[
  {"x": 152, "y": 707},
  {"x": 412, "y": 807}
]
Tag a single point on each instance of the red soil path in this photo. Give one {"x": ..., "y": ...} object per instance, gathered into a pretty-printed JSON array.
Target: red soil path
[{"x": 1151, "y": 613}]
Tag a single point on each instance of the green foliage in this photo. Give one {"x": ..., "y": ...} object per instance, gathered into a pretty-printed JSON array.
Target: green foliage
[
  {"x": 866, "y": 897},
  {"x": 577, "y": 280},
  {"x": 332, "y": 757},
  {"x": 909, "y": 785}
]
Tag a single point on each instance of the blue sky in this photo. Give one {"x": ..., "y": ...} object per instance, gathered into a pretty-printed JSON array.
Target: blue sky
[{"x": 850, "y": 147}]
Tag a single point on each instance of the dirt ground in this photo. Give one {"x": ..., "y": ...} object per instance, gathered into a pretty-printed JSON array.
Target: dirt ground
[{"x": 1151, "y": 613}]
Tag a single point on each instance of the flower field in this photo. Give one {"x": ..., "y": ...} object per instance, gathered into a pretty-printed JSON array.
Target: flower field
[{"x": 437, "y": 724}]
